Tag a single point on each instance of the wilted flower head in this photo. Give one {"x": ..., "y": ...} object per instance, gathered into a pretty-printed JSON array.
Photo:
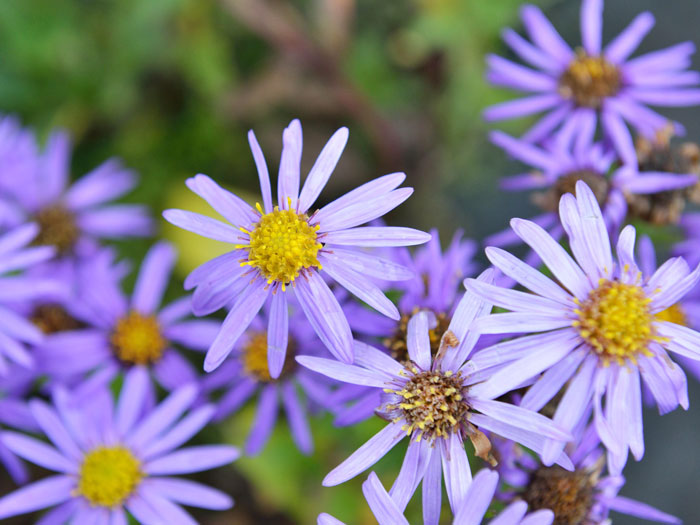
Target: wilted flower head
[
  {"x": 591, "y": 84},
  {"x": 287, "y": 247}
]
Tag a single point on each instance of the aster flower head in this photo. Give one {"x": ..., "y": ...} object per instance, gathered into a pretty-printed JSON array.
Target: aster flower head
[
  {"x": 476, "y": 502},
  {"x": 112, "y": 458},
  {"x": 430, "y": 400},
  {"x": 117, "y": 332},
  {"x": 560, "y": 164},
  {"x": 16, "y": 331},
  {"x": 583, "y": 496},
  {"x": 592, "y": 83},
  {"x": 245, "y": 374},
  {"x": 72, "y": 216},
  {"x": 282, "y": 248},
  {"x": 598, "y": 329}
]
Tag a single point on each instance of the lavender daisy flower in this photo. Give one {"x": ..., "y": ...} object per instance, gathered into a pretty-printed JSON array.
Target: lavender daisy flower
[
  {"x": 119, "y": 332},
  {"x": 245, "y": 374},
  {"x": 15, "y": 330},
  {"x": 430, "y": 400},
  {"x": 562, "y": 163},
  {"x": 275, "y": 247},
  {"x": 593, "y": 83},
  {"x": 432, "y": 285},
  {"x": 583, "y": 496},
  {"x": 15, "y": 413},
  {"x": 477, "y": 500},
  {"x": 598, "y": 330},
  {"x": 72, "y": 217},
  {"x": 113, "y": 459}
]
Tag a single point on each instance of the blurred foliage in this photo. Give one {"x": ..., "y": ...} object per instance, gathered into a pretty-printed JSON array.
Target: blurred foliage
[{"x": 171, "y": 86}]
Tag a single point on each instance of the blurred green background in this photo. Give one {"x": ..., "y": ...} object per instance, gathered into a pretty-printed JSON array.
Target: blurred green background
[{"x": 172, "y": 86}]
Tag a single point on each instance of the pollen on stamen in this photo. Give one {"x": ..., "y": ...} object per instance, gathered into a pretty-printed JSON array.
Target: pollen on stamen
[
  {"x": 281, "y": 245},
  {"x": 615, "y": 320},
  {"x": 137, "y": 339},
  {"x": 589, "y": 80}
]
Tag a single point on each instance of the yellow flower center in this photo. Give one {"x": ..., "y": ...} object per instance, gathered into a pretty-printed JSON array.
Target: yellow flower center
[
  {"x": 616, "y": 321},
  {"x": 432, "y": 404},
  {"x": 588, "y": 80},
  {"x": 673, "y": 314},
  {"x": 282, "y": 244},
  {"x": 109, "y": 475},
  {"x": 57, "y": 228},
  {"x": 137, "y": 339},
  {"x": 255, "y": 358}
]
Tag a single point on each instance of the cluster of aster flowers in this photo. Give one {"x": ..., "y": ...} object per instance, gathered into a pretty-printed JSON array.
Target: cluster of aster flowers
[{"x": 516, "y": 390}]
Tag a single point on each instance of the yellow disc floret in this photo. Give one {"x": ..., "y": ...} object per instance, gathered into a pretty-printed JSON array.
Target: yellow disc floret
[
  {"x": 433, "y": 404},
  {"x": 673, "y": 314},
  {"x": 137, "y": 339},
  {"x": 282, "y": 244},
  {"x": 255, "y": 357},
  {"x": 588, "y": 80},
  {"x": 109, "y": 475},
  {"x": 616, "y": 321}
]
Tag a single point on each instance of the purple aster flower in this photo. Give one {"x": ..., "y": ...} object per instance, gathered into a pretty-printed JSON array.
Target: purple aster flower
[
  {"x": 15, "y": 330},
  {"x": 245, "y": 374},
  {"x": 430, "y": 400},
  {"x": 14, "y": 413},
  {"x": 432, "y": 285},
  {"x": 118, "y": 332},
  {"x": 113, "y": 459},
  {"x": 583, "y": 496},
  {"x": 275, "y": 247},
  {"x": 593, "y": 83},
  {"x": 477, "y": 500},
  {"x": 597, "y": 330},
  {"x": 71, "y": 217},
  {"x": 561, "y": 163}
]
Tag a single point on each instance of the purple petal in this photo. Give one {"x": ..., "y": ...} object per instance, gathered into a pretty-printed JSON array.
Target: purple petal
[
  {"x": 296, "y": 416},
  {"x": 455, "y": 466},
  {"x": 477, "y": 498},
  {"x": 552, "y": 381},
  {"x": 290, "y": 166},
  {"x": 528, "y": 52},
  {"x": 263, "y": 173},
  {"x": 624, "y": 44},
  {"x": 265, "y": 419},
  {"x": 524, "y": 419},
  {"x": 418, "y": 340},
  {"x": 617, "y": 132},
  {"x": 194, "y": 335},
  {"x": 45, "y": 493},
  {"x": 325, "y": 315},
  {"x": 383, "y": 507},
  {"x": 180, "y": 433},
  {"x": 369, "y": 265},
  {"x": 592, "y": 26},
  {"x": 231, "y": 207},
  {"x": 344, "y": 372},
  {"x": 116, "y": 221},
  {"x": 521, "y": 107},
  {"x": 202, "y": 225},
  {"x": 514, "y": 300},
  {"x": 37, "y": 452},
  {"x": 167, "y": 511},
  {"x": 192, "y": 459},
  {"x": 236, "y": 322},
  {"x": 360, "y": 287},
  {"x": 544, "y": 35},
  {"x": 107, "y": 182},
  {"x": 367, "y": 455},
  {"x": 519, "y": 323},
  {"x": 376, "y": 236},
  {"x": 374, "y": 359},
  {"x": 523, "y": 151},
  {"x": 53, "y": 427},
  {"x": 190, "y": 493},
  {"x": 432, "y": 490},
  {"x": 412, "y": 471},
  {"x": 639, "y": 510},
  {"x": 277, "y": 334},
  {"x": 153, "y": 278},
  {"x": 322, "y": 169},
  {"x": 362, "y": 212}
]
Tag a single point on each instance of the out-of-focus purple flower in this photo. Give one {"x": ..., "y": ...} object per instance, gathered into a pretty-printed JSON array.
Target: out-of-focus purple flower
[
  {"x": 430, "y": 400},
  {"x": 580, "y": 88},
  {"x": 15, "y": 330},
  {"x": 119, "y": 332},
  {"x": 18, "y": 154},
  {"x": 476, "y": 502},
  {"x": 278, "y": 246},
  {"x": 245, "y": 373},
  {"x": 15, "y": 413},
  {"x": 579, "y": 497},
  {"x": 434, "y": 284},
  {"x": 112, "y": 458},
  {"x": 561, "y": 163},
  {"x": 71, "y": 216},
  {"x": 597, "y": 330}
]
